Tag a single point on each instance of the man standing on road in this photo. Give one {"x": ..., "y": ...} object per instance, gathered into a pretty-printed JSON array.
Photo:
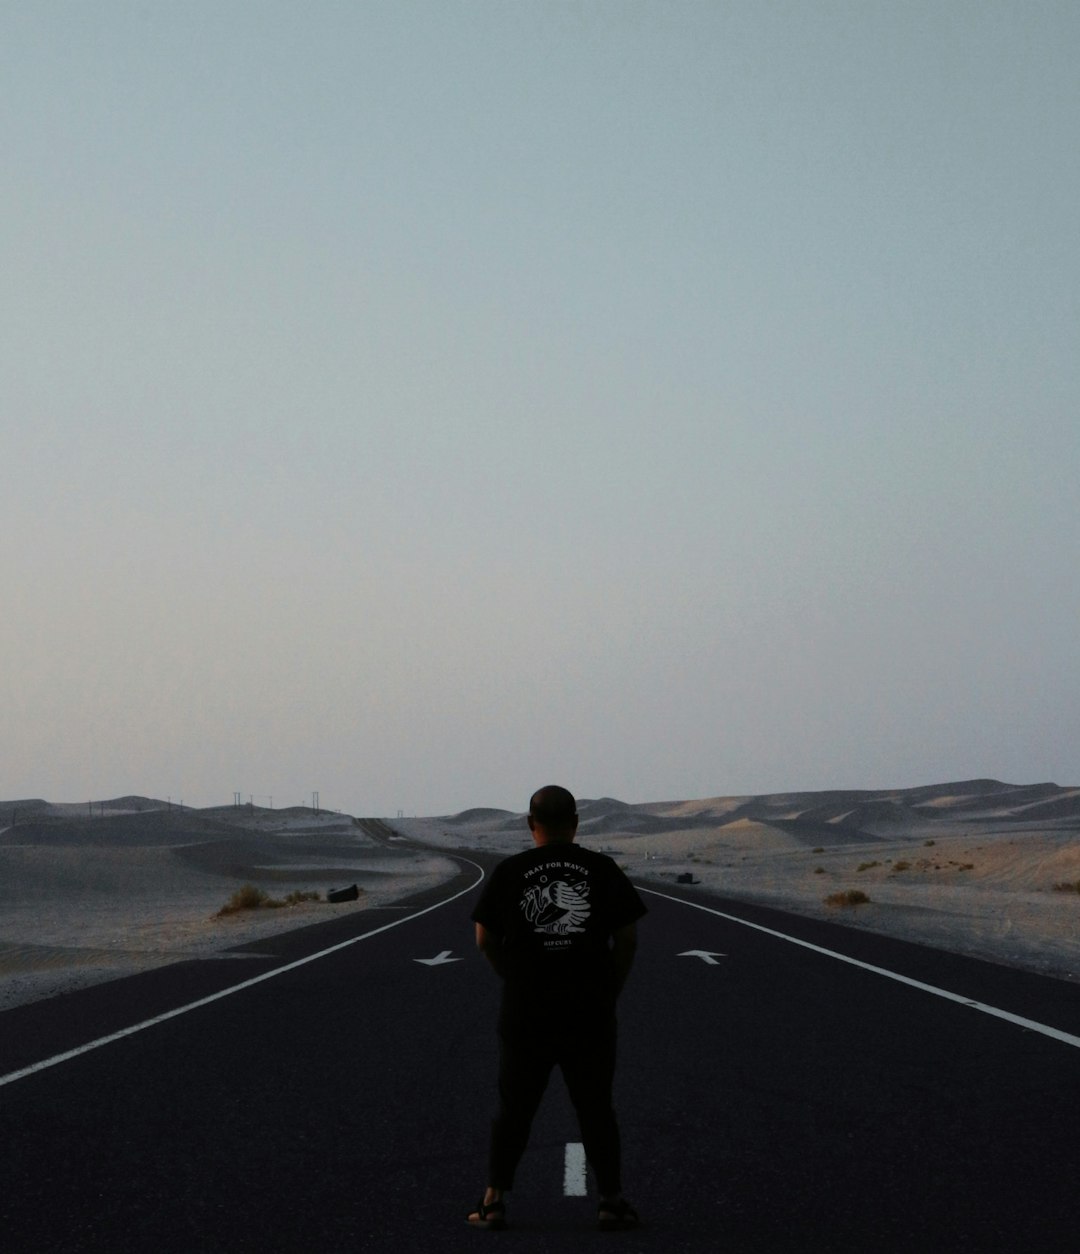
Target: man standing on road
[{"x": 559, "y": 925}]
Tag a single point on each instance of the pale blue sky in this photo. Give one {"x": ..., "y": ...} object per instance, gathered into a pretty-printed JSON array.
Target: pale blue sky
[{"x": 421, "y": 402}]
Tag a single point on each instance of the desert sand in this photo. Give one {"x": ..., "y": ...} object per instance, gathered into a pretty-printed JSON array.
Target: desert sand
[{"x": 977, "y": 868}]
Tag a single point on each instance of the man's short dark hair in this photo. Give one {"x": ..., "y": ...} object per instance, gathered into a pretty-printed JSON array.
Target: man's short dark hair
[{"x": 553, "y": 806}]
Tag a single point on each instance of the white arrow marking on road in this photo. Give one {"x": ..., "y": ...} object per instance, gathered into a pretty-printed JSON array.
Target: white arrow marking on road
[
  {"x": 441, "y": 960},
  {"x": 704, "y": 955}
]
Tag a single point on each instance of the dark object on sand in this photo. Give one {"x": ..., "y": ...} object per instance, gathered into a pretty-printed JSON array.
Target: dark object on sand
[
  {"x": 687, "y": 877},
  {"x": 344, "y": 894}
]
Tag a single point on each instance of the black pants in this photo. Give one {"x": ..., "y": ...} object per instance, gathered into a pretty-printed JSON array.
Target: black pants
[{"x": 584, "y": 1050}]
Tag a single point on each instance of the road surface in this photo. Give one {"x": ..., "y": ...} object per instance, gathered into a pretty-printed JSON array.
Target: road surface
[{"x": 779, "y": 1090}]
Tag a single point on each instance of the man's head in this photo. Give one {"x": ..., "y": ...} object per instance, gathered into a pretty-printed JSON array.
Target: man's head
[{"x": 552, "y": 815}]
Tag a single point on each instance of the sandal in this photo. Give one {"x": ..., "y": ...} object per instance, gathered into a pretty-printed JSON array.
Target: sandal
[
  {"x": 616, "y": 1216},
  {"x": 491, "y": 1217}
]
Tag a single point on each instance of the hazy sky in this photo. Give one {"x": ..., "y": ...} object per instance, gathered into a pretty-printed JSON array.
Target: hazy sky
[{"x": 422, "y": 402}]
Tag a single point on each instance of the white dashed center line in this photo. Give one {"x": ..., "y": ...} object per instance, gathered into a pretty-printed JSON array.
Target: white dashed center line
[{"x": 574, "y": 1170}]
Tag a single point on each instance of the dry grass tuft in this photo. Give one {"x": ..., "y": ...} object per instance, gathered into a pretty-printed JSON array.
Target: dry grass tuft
[
  {"x": 852, "y": 897},
  {"x": 249, "y": 897},
  {"x": 296, "y": 897}
]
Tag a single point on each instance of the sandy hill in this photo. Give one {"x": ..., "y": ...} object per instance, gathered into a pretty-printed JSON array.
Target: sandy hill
[
  {"x": 840, "y": 815},
  {"x": 147, "y": 827}
]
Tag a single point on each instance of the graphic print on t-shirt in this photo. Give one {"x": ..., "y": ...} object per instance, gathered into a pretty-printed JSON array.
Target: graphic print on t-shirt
[{"x": 556, "y": 907}]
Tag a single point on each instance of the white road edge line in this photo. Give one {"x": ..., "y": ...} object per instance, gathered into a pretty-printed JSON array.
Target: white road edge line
[
  {"x": 1030, "y": 1025},
  {"x": 227, "y": 992},
  {"x": 574, "y": 1184}
]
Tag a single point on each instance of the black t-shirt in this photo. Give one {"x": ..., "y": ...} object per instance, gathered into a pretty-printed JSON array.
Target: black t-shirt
[{"x": 555, "y": 908}]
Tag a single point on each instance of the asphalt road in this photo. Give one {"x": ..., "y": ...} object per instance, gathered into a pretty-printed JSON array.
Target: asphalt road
[{"x": 773, "y": 1099}]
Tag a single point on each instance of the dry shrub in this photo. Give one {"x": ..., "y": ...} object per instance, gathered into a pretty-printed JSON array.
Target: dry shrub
[
  {"x": 248, "y": 897},
  {"x": 852, "y": 897},
  {"x": 295, "y": 898}
]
